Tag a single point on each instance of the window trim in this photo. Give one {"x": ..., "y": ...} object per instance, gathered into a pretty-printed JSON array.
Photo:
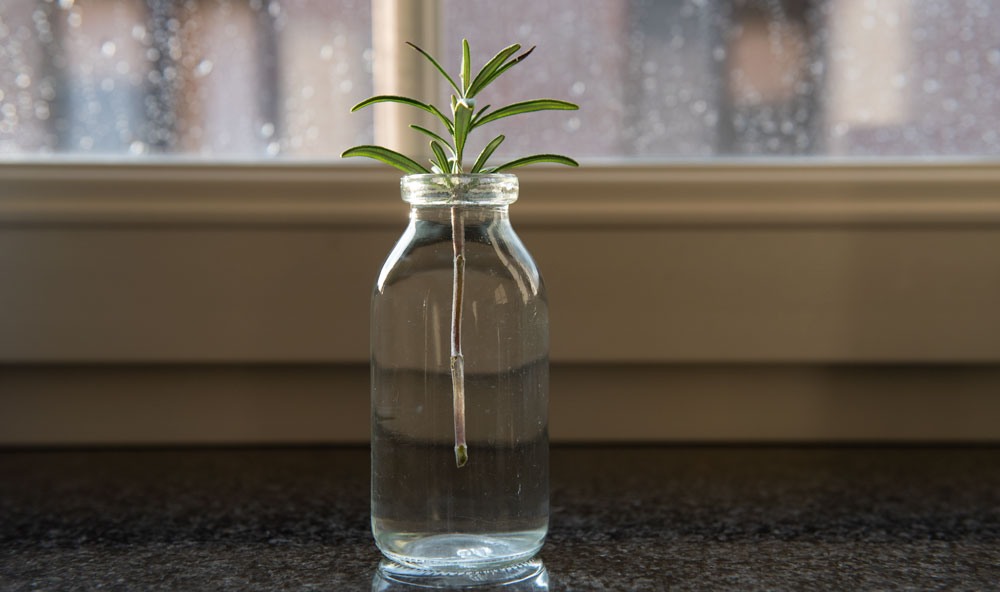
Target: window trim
[{"x": 734, "y": 194}]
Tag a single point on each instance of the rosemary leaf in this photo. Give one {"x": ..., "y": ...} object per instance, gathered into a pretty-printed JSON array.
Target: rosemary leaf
[
  {"x": 480, "y": 81},
  {"x": 556, "y": 158},
  {"x": 525, "y": 107},
  {"x": 438, "y": 66},
  {"x": 404, "y": 163},
  {"x": 486, "y": 153}
]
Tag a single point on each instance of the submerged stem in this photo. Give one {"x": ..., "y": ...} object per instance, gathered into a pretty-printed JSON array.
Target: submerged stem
[{"x": 457, "y": 359}]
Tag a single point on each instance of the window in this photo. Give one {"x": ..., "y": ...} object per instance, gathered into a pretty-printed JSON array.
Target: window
[
  {"x": 775, "y": 188},
  {"x": 201, "y": 78},
  {"x": 658, "y": 80}
]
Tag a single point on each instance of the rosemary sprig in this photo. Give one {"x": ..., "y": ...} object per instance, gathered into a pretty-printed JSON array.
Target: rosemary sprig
[{"x": 464, "y": 119}]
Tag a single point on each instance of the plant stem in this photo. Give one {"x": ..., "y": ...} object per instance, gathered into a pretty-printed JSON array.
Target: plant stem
[{"x": 457, "y": 359}]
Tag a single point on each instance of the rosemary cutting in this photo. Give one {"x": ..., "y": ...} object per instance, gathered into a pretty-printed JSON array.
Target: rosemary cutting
[{"x": 448, "y": 160}]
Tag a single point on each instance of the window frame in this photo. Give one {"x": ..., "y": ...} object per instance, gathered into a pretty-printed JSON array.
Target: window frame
[
  {"x": 563, "y": 213},
  {"x": 734, "y": 200}
]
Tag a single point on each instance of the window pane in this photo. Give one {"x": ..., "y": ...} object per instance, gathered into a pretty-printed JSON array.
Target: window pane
[
  {"x": 700, "y": 78},
  {"x": 656, "y": 79},
  {"x": 215, "y": 78}
]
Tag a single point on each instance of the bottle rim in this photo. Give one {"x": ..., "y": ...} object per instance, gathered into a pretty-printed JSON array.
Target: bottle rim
[{"x": 473, "y": 189}]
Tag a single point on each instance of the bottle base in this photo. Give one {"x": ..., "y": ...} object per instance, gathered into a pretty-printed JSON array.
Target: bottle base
[
  {"x": 530, "y": 571},
  {"x": 460, "y": 552}
]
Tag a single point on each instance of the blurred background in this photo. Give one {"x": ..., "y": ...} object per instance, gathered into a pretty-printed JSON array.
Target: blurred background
[
  {"x": 657, "y": 79},
  {"x": 787, "y": 226}
]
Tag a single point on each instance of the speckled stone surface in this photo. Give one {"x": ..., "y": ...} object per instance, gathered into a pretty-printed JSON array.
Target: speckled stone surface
[{"x": 641, "y": 518}]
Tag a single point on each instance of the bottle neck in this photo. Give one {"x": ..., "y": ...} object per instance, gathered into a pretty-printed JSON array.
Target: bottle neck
[{"x": 471, "y": 215}]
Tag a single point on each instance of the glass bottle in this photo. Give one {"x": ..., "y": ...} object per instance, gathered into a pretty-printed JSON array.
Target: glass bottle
[{"x": 459, "y": 264}]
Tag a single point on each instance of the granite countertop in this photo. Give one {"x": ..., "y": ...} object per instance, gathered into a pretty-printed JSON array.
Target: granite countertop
[{"x": 624, "y": 518}]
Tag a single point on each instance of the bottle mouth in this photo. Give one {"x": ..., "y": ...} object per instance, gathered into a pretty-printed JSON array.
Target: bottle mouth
[{"x": 491, "y": 189}]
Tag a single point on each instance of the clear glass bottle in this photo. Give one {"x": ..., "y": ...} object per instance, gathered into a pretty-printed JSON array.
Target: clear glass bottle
[{"x": 429, "y": 513}]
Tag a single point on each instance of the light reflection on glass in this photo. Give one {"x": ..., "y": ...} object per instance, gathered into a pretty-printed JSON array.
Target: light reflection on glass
[{"x": 530, "y": 576}]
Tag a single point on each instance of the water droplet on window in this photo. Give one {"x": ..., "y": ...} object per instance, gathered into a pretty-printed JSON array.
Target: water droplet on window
[
  {"x": 719, "y": 53},
  {"x": 47, "y": 90},
  {"x": 108, "y": 48},
  {"x": 993, "y": 57},
  {"x": 41, "y": 110},
  {"x": 572, "y": 124},
  {"x": 204, "y": 68},
  {"x": 578, "y": 88},
  {"x": 267, "y": 130},
  {"x": 346, "y": 86},
  {"x": 326, "y": 52},
  {"x": 137, "y": 148},
  {"x": 273, "y": 148},
  {"x": 86, "y": 142},
  {"x": 138, "y": 32},
  {"x": 75, "y": 19},
  {"x": 899, "y": 81},
  {"x": 122, "y": 67},
  {"x": 931, "y": 86},
  {"x": 22, "y": 80},
  {"x": 273, "y": 8},
  {"x": 699, "y": 106},
  {"x": 152, "y": 54},
  {"x": 108, "y": 84},
  {"x": 66, "y": 4}
]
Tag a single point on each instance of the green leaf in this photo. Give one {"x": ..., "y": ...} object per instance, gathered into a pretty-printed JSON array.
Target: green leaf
[
  {"x": 392, "y": 99},
  {"x": 442, "y": 158},
  {"x": 496, "y": 73},
  {"x": 438, "y": 66},
  {"x": 463, "y": 124},
  {"x": 431, "y": 134},
  {"x": 401, "y": 162},
  {"x": 466, "y": 67},
  {"x": 444, "y": 119},
  {"x": 479, "y": 114},
  {"x": 486, "y": 153},
  {"x": 406, "y": 101},
  {"x": 526, "y": 107},
  {"x": 520, "y": 162},
  {"x": 480, "y": 81}
]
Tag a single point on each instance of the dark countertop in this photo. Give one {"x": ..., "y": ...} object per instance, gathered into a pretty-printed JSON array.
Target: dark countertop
[{"x": 628, "y": 518}]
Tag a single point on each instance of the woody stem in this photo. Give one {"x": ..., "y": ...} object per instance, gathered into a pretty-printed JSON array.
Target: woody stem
[{"x": 457, "y": 360}]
